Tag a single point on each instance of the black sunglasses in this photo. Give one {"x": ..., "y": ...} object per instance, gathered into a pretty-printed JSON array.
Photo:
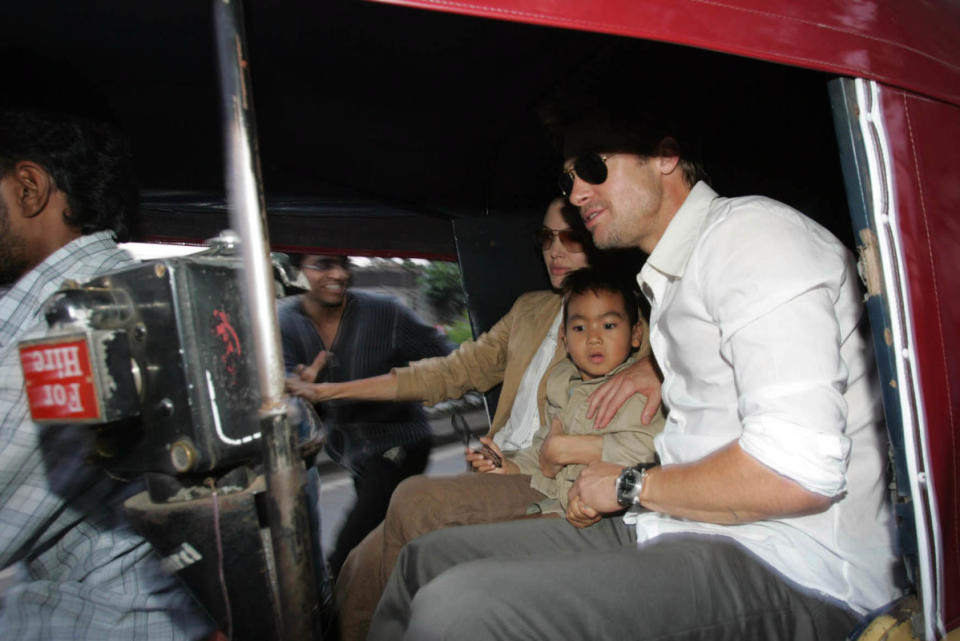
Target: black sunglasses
[
  {"x": 591, "y": 168},
  {"x": 570, "y": 239}
]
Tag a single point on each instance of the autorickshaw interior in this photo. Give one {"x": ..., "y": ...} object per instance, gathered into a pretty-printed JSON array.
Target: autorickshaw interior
[{"x": 394, "y": 132}]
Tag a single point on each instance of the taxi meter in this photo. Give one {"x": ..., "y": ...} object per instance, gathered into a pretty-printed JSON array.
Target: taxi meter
[
  {"x": 164, "y": 344},
  {"x": 158, "y": 360}
]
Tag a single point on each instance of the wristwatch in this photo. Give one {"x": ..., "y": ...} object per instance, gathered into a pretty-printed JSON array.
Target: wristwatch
[{"x": 630, "y": 483}]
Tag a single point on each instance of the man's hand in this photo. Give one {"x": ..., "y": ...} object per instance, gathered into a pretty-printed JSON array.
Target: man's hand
[
  {"x": 596, "y": 489},
  {"x": 639, "y": 378},
  {"x": 309, "y": 373},
  {"x": 482, "y": 462},
  {"x": 550, "y": 466}
]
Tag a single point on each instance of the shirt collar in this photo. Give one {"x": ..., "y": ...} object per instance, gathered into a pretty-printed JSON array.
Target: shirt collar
[
  {"x": 673, "y": 250},
  {"x": 22, "y": 302}
]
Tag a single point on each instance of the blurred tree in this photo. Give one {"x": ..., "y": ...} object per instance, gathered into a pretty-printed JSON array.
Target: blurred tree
[{"x": 441, "y": 286}]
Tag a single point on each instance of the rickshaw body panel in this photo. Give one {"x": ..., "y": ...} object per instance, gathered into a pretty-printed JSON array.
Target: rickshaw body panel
[{"x": 924, "y": 135}]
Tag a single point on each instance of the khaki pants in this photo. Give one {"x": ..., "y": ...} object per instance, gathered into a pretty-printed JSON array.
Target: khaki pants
[{"x": 419, "y": 505}]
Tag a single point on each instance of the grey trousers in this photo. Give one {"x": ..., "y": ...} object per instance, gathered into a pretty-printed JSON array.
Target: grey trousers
[
  {"x": 545, "y": 579},
  {"x": 419, "y": 505}
]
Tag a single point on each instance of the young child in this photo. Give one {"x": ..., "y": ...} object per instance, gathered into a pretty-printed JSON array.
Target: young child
[{"x": 601, "y": 329}]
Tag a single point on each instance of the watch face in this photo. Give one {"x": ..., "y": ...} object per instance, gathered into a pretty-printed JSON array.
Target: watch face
[{"x": 628, "y": 481}]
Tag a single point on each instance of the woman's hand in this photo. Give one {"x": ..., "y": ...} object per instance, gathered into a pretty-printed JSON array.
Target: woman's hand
[
  {"x": 313, "y": 392},
  {"x": 640, "y": 378},
  {"x": 482, "y": 462}
]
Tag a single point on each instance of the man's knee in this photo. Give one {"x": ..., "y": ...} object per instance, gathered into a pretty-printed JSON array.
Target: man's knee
[{"x": 461, "y": 603}]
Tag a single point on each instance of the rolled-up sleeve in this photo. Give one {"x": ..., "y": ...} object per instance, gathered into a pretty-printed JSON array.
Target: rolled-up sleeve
[{"x": 780, "y": 332}]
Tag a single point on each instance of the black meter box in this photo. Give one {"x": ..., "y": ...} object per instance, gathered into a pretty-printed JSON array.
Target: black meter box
[{"x": 161, "y": 357}]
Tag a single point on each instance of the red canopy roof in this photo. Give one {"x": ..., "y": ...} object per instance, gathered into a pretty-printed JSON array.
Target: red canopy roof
[{"x": 914, "y": 45}]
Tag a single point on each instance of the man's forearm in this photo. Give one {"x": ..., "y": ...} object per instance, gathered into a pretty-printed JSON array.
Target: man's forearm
[{"x": 727, "y": 487}]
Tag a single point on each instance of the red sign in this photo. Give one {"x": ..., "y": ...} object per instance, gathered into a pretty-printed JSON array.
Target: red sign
[{"x": 60, "y": 381}]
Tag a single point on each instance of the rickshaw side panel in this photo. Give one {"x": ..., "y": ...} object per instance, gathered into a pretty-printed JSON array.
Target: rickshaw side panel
[{"x": 924, "y": 135}]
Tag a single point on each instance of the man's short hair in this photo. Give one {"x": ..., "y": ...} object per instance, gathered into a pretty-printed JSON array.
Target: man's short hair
[
  {"x": 591, "y": 279},
  {"x": 297, "y": 259},
  {"x": 88, "y": 160},
  {"x": 635, "y": 133}
]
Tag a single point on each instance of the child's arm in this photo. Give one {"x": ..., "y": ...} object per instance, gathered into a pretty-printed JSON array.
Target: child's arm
[
  {"x": 526, "y": 459},
  {"x": 567, "y": 449},
  {"x": 625, "y": 441},
  {"x": 559, "y": 449}
]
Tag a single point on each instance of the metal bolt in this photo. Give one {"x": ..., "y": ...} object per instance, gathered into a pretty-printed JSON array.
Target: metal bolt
[
  {"x": 183, "y": 456},
  {"x": 165, "y": 407}
]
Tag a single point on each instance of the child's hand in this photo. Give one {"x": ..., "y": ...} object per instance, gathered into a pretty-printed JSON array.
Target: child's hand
[
  {"x": 550, "y": 466},
  {"x": 579, "y": 513}
]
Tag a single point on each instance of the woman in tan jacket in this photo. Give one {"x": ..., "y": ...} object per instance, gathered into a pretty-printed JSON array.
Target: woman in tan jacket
[{"x": 517, "y": 352}]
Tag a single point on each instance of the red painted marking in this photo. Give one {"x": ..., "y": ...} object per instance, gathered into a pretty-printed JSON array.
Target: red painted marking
[{"x": 232, "y": 350}]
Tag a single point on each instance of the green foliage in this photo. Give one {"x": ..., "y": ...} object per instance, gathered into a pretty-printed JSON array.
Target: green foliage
[
  {"x": 441, "y": 286},
  {"x": 459, "y": 331}
]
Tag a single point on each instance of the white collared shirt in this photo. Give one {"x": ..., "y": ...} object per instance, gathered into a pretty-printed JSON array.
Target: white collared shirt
[{"x": 755, "y": 323}]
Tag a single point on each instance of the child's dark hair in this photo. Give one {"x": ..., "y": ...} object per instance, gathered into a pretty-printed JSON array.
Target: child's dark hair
[{"x": 591, "y": 279}]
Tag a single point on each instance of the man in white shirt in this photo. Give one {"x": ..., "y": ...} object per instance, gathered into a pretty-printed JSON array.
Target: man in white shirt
[{"x": 767, "y": 518}]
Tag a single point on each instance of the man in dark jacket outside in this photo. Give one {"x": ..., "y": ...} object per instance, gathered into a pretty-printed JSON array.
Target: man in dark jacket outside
[{"x": 336, "y": 334}]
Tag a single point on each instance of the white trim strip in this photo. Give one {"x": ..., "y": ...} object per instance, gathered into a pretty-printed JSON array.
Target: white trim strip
[
  {"x": 216, "y": 417},
  {"x": 883, "y": 212}
]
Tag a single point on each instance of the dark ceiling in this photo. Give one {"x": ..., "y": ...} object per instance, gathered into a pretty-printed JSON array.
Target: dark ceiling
[{"x": 371, "y": 108}]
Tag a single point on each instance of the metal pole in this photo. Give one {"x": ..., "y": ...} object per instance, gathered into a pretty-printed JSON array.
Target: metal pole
[{"x": 285, "y": 477}]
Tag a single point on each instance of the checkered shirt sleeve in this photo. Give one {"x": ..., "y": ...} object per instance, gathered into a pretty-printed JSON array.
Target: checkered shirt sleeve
[{"x": 83, "y": 573}]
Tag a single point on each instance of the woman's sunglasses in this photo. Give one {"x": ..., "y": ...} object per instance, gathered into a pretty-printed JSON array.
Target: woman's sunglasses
[
  {"x": 591, "y": 168},
  {"x": 570, "y": 240}
]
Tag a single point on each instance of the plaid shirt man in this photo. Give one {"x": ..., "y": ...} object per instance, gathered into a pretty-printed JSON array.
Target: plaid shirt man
[{"x": 83, "y": 573}]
